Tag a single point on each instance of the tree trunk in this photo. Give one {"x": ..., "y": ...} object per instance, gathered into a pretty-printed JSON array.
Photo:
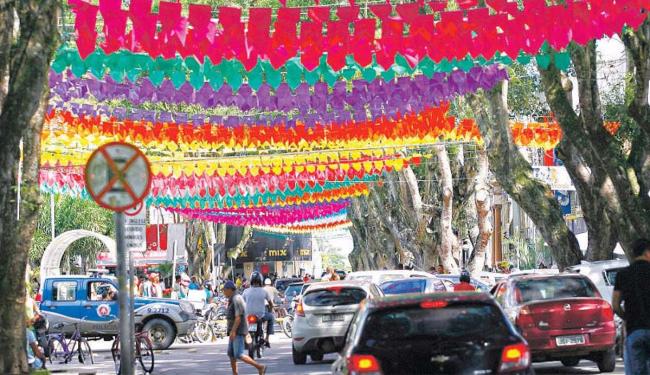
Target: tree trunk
[
  {"x": 483, "y": 210},
  {"x": 617, "y": 177},
  {"x": 447, "y": 235},
  {"x": 24, "y": 65},
  {"x": 515, "y": 176}
]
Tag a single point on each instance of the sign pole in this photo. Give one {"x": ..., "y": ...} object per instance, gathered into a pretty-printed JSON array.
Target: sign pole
[{"x": 126, "y": 330}]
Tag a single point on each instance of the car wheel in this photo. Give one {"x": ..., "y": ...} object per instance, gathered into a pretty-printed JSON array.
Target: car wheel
[
  {"x": 607, "y": 361},
  {"x": 298, "y": 358},
  {"x": 161, "y": 332},
  {"x": 570, "y": 362},
  {"x": 316, "y": 357}
]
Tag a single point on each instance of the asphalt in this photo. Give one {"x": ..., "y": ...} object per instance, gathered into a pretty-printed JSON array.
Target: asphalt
[{"x": 210, "y": 358}]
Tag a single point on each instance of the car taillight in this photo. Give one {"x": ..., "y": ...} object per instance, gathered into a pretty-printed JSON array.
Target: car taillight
[
  {"x": 606, "y": 312},
  {"x": 252, "y": 319},
  {"x": 515, "y": 358},
  {"x": 363, "y": 364},
  {"x": 300, "y": 311},
  {"x": 524, "y": 318},
  {"x": 433, "y": 304}
]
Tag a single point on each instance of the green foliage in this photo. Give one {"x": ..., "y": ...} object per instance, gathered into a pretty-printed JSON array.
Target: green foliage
[
  {"x": 335, "y": 260},
  {"x": 525, "y": 254},
  {"x": 69, "y": 214},
  {"x": 525, "y": 94}
]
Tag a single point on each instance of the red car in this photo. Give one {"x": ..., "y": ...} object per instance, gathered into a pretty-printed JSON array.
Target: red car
[{"x": 563, "y": 318}]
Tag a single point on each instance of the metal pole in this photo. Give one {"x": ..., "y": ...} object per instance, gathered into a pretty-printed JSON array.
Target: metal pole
[
  {"x": 232, "y": 269},
  {"x": 52, "y": 228},
  {"x": 126, "y": 330},
  {"x": 174, "y": 266},
  {"x": 131, "y": 301}
]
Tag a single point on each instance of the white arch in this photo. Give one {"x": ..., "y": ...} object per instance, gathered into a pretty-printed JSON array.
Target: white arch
[{"x": 51, "y": 261}]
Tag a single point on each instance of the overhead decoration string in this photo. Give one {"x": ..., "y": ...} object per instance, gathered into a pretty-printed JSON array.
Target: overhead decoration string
[
  {"x": 500, "y": 27},
  {"x": 402, "y": 95}
]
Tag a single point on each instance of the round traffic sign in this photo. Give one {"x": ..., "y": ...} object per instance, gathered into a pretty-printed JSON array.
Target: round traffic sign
[{"x": 118, "y": 176}]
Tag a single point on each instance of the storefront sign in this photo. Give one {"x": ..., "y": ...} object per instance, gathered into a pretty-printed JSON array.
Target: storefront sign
[{"x": 268, "y": 247}]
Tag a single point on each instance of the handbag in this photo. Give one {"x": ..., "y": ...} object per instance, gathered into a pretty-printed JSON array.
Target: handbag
[{"x": 248, "y": 339}]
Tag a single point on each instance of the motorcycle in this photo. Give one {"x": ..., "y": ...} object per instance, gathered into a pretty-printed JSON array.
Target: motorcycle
[{"x": 257, "y": 331}]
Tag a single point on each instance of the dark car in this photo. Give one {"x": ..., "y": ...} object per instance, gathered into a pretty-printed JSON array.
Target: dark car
[
  {"x": 282, "y": 284},
  {"x": 412, "y": 285},
  {"x": 563, "y": 318},
  {"x": 438, "y": 333},
  {"x": 478, "y": 284}
]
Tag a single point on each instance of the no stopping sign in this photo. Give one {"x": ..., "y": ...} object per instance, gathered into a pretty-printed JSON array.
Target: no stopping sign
[{"x": 118, "y": 176}]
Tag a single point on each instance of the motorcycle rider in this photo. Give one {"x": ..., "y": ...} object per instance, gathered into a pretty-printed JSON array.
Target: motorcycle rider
[
  {"x": 464, "y": 284},
  {"x": 257, "y": 299}
]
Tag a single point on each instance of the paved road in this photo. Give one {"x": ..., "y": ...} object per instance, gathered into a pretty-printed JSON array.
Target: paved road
[{"x": 204, "y": 359}]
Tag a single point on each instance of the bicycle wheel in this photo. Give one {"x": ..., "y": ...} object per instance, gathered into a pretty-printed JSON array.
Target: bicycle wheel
[
  {"x": 145, "y": 354},
  {"x": 202, "y": 332},
  {"x": 287, "y": 324},
  {"x": 85, "y": 352},
  {"x": 56, "y": 349}
]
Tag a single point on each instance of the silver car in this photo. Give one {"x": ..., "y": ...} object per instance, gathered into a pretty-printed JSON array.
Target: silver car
[{"x": 323, "y": 315}]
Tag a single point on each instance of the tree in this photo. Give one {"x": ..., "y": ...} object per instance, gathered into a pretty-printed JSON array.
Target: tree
[
  {"x": 514, "y": 173},
  {"x": 71, "y": 213},
  {"x": 28, "y": 38},
  {"x": 615, "y": 168}
]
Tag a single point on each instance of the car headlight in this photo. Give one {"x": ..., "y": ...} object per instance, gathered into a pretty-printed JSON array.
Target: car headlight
[{"x": 187, "y": 307}]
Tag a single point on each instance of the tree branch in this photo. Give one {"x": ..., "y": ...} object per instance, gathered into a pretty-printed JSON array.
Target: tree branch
[{"x": 514, "y": 174}]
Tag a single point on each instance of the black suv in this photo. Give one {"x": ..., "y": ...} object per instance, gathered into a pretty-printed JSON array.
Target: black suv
[{"x": 441, "y": 333}]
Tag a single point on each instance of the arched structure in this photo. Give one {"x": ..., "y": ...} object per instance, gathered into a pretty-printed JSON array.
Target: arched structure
[{"x": 51, "y": 261}]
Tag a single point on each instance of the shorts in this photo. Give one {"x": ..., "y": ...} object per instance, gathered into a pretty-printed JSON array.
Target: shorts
[{"x": 236, "y": 347}]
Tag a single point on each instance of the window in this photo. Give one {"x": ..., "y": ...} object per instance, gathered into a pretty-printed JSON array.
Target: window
[
  {"x": 610, "y": 276},
  {"x": 553, "y": 288},
  {"x": 101, "y": 291},
  {"x": 404, "y": 286},
  {"x": 64, "y": 291},
  {"x": 410, "y": 324},
  {"x": 334, "y": 296}
]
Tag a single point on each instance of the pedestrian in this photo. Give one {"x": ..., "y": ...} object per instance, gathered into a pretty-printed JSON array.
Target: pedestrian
[
  {"x": 180, "y": 290},
  {"x": 237, "y": 329},
  {"x": 441, "y": 269},
  {"x": 465, "y": 283},
  {"x": 631, "y": 301},
  {"x": 194, "y": 285},
  {"x": 156, "y": 287},
  {"x": 238, "y": 282}
]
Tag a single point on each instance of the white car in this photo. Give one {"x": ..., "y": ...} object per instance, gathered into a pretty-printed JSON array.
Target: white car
[
  {"x": 602, "y": 274},
  {"x": 323, "y": 314},
  {"x": 378, "y": 277}
]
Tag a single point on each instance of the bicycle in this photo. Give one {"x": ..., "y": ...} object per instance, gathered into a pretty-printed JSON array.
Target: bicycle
[
  {"x": 60, "y": 348},
  {"x": 143, "y": 352}
]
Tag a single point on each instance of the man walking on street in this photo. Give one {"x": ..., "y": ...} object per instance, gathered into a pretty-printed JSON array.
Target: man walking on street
[
  {"x": 237, "y": 329},
  {"x": 632, "y": 290}
]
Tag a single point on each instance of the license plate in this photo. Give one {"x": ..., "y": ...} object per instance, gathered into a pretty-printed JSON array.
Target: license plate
[
  {"x": 252, "y": 327},
  {"x": 570, "y": 340},
  {"x": 333, "y": 318}
]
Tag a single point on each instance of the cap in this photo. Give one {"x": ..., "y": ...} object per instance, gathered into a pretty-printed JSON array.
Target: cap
[
  {"x": 229, "y": 285},
  {"x": 267, "y": 282}
]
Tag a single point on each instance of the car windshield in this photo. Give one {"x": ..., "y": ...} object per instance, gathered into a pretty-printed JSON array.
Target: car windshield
[
  {"x": 293, "y": 290},
  {"x": 404, "y": 286},
  {"x": 334, "y": 296},
  {"x": 552, "y": 288},
  {"x": 412, "y": 323}
]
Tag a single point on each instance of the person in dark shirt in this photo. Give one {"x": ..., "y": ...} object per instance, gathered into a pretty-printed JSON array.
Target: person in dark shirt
[
  {"x": 631, "y": 301},
  {"x": 237, "y": 329}
]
